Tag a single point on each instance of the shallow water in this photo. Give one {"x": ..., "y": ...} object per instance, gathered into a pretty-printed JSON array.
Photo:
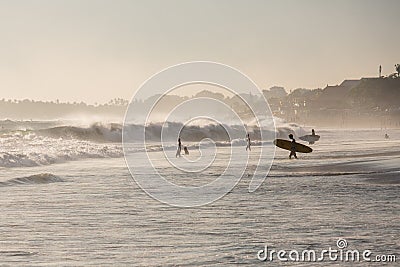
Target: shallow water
[{"x": 90, "y": 212}]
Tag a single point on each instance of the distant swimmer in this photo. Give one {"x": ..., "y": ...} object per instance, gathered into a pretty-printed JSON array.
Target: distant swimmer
[
  {"x": 248, "y": 147},
  {"x": 293, "y": 147},
  {"x": 186, "y": 150},
  {"x": 386, "y": 136},
  {"x": 178, "y": 151}
]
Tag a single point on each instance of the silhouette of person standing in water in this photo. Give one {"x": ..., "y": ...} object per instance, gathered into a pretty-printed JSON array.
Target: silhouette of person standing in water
[
  {"x": 178, "y": 152},
  {"x": 248, "y": 147},
  {"x": 185, "y": 149},
  {"x": 312, "y": 132},
  {"x": 293, "y": 147}
]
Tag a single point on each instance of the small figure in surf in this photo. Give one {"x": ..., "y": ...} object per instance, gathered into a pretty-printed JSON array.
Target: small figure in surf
[
  {"x": 312, "y": 134},
  {"x": 178, "y": 152},
  {"x": 248, "y": 147},
  {"x": 386, "y": 136},
  {"x": 186, "y": 150},
  {"x": 293, "y": 147}
]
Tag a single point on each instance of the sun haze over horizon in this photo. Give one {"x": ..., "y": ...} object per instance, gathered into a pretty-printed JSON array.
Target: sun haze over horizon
[{"x": 94, "y": 51}]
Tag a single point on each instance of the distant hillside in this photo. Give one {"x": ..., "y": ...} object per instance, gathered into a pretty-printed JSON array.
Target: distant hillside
[
  {"x": 336, "y": 97},
  {"x": 381, "y": 93},
  {"x": 367, "y": 102}
]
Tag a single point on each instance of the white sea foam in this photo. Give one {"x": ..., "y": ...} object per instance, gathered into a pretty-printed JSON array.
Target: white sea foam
[
  {"x": 27, "y": 149},
  {"x": 27, "y": 144}
]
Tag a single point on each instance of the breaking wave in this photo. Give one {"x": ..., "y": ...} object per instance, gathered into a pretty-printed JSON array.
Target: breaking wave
[
  {"x": 36, "y": 145},
  {"x": 42, "y": 178},
  {"x": 96, "y": 132},
  {"x": 28, "y": 149},
  {"x": 112, "y": 133}
]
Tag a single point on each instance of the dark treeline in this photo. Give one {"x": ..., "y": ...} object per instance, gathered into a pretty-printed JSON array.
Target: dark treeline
[
  {"x": 49, "y": 110},
  {"x": 368, "y": 102}
]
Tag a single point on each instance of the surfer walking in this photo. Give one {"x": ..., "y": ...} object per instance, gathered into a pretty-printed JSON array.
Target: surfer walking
[
  {"x": 178, "y": 151},
  {"x": 248, "y": 147},
  {"x": 293, "y": 147}
]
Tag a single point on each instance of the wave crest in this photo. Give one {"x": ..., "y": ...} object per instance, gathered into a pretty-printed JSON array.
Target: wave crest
[{"x": 42, "y": 178}]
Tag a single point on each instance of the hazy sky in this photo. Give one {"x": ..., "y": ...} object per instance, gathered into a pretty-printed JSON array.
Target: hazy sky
[{"x": 98, "y": 50}]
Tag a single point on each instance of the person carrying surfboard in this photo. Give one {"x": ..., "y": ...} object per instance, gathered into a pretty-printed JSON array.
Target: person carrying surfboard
[
  {"x": 248, "y": 142},
  {"x": 293, "y": 147}
]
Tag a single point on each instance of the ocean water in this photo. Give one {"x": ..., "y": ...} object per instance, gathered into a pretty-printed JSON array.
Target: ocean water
[{"x": 70, "y": 201}]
